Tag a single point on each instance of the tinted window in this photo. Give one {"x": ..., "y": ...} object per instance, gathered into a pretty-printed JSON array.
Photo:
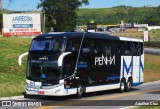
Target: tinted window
[
  {"x": 73, "y": 45},
  {"x": 47, "y": 45}
]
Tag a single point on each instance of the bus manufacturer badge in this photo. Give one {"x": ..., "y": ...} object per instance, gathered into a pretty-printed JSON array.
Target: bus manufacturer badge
[{"x": 43, "y": 58}]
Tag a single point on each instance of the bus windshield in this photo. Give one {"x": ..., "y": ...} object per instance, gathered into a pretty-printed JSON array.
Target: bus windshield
[
  {"x": 47, "y": 45},
  {"x": 43, "y": 70}
]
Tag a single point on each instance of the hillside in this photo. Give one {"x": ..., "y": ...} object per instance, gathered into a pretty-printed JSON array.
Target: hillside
[
  {"x": 12, "y": 76},
  {"x": 114, "y": 15}
]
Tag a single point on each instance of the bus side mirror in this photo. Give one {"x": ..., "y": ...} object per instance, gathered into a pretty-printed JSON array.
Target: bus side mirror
[{"x": 20, "y": 58}]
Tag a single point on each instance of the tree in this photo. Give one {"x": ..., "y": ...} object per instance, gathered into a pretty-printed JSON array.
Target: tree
[
  {"x": 61, "y": 14},
  {"x": 153, "y": 18}
]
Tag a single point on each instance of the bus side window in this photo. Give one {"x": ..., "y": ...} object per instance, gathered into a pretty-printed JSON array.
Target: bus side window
[
  {"x": 114, "y": 48},
  {"x": 118, "y": 48},
  {"x": 91, "y": 47},
  {"x": 108, "y": 48},
  {"x": 132, "y": 48},
  {"x": 69, "y": 46},
  {"x": 73, "y": 46},
  {"x": 85, "y": 49},
  {"x": 136, "y": 48},
  {"x": 56, "y": 46},
  {"x": 141, "y": 48},
  {"x": 88, "y": 47},
  {"x": 99, "y": 47},
  {"x": 127, "y": 48}
]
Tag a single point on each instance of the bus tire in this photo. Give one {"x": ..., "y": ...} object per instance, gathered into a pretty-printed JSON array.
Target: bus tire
[
  {"x": 122, "y": 86},
  {"x": 80, "y": 91},
  {"x": 128, "y": 85}
]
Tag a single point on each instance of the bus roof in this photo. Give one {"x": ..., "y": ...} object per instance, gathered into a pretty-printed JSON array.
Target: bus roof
[{"x": 87, "y": 35}]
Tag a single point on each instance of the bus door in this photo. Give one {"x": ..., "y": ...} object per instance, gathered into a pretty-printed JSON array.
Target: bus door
[
  {"x": 69, "y": 61},
  {"x": 86, "y": 61}
]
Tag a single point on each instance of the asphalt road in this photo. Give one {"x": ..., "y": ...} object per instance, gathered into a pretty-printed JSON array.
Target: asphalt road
[
  {"x": 112, "y": 99},
  {"x": 154, "y": 51}
]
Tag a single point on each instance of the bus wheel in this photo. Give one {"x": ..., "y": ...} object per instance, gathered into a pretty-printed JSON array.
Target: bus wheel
[
  {"x": 122, "y": 86},
  {"x": 129, "y": 85},
  {"x": 80, "y": 91}
]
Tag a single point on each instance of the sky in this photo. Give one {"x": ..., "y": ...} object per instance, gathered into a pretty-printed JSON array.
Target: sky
[{"x": 26, "y": 5}]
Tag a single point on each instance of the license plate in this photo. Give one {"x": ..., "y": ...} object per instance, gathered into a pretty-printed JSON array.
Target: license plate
[{"x": 40, "y": 92}]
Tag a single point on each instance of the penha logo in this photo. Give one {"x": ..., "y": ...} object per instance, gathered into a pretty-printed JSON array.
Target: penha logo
[
  {"x": 22, "y": 19},
  {"x": 105, "y": 60}
]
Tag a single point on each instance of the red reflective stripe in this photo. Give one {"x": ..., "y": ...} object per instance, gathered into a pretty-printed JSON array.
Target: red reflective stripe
[
  {"x": 20, "y": 33},
  {"x": 41, "y": 92}
]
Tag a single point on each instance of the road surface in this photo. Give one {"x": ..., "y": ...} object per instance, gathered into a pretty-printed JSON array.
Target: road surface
[
  {"x": 102, "y": 100},
  {"x": 154, "y": 51}
]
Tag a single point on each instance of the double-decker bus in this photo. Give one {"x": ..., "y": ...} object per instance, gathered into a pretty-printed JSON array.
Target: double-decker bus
[{"x": 61, "y": 64}]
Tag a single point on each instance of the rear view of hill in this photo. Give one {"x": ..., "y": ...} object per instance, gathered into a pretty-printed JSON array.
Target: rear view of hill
[{"x": 149, "y": 15}]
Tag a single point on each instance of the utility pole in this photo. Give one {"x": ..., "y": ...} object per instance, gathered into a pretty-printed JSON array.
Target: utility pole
[
  {"x": 44, "y": 22},
  {"x": 0, "y": 4}
]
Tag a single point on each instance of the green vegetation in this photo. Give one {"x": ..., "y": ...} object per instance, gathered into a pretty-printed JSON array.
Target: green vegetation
[
  {"x": 114, "y": 15},
  {"x": 61, "y": 14},
  {"x": 1, "y": 21},
  {"x": 155, "y": 44},
  {"x": 12, "y": 76},
  {"x": 152, "y": 68},
  {"x": 73, "y": 16},
  {"x": 154, "y": 36}
]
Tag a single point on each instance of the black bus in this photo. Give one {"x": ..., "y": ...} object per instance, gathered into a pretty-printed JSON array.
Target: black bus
[{"x": 69, "y": 63}]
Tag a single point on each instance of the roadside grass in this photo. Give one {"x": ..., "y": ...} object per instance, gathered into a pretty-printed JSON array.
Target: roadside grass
[
  {"x": 152, "y": 68},
  {"x": 128, "y": 34},
  {"x": 12, "y": 76},
  {"x": 154, "y": 35}
]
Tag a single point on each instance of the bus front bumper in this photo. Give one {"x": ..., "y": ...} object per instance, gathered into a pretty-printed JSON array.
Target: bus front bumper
[{"x": 35, "y": 88}]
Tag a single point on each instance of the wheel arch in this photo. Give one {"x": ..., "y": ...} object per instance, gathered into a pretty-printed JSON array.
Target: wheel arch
[
  {"x": 82, "y": 82},
  {"x": 123, "y": 78}
]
